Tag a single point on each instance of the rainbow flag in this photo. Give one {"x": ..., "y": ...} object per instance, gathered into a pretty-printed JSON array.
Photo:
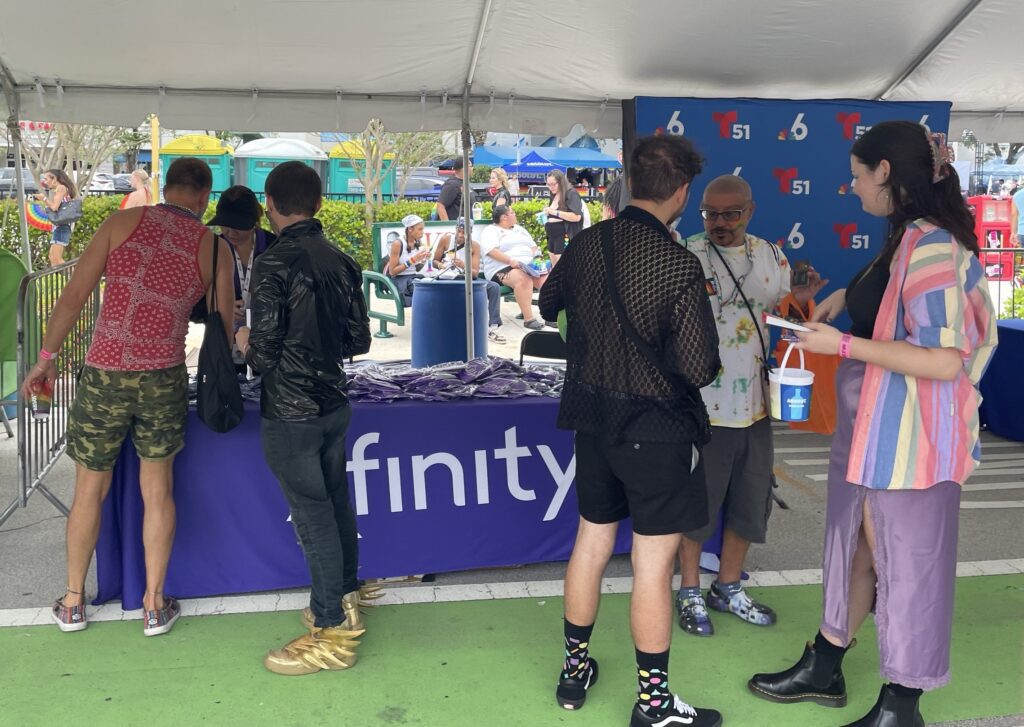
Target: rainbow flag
[{"x": 36, "y": 215}]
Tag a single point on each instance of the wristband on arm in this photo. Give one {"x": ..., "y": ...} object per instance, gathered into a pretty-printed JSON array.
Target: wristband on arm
[{"x": 844, "y": 345}]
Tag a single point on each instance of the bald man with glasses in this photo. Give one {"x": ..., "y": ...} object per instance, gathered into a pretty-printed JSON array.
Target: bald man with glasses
[{"x": 745, "y": 277}]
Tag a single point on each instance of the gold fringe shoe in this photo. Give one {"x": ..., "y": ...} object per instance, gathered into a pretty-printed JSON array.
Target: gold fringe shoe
[
  {"x": 353, "y": 605},
  {"x": 332, "y": 649}
]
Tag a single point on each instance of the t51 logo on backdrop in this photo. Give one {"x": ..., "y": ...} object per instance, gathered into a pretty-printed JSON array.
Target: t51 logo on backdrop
[
  {"x": 848, "y": 237},
  {"x": 850, "y": 123},
  {"x": 729, "y": 126},
  {"x": 789, "y": 183},
  {"x": 797, "y": 132}
]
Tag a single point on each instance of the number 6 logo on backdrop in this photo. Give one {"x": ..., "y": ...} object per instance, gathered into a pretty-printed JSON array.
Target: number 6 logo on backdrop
[
  {"x": 675, "y": 125},
  {"x": 797, "y": 132},
  {"x": 796, "y": 239}
]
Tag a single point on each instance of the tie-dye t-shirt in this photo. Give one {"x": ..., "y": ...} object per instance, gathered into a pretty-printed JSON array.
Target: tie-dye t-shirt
[{"x": 736, "y": 399}]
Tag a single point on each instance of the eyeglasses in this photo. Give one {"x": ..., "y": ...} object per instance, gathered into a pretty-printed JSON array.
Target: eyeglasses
[{"x": 727, "y": 215}]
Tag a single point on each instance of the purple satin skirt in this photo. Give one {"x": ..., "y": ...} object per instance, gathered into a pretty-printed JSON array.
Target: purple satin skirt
[{"x": 915, "y": 557}]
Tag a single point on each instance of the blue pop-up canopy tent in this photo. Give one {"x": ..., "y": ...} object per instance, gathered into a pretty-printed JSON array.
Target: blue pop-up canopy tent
[
  {"x": 559, "y": 157},
  {"x": 579, "y": 158},
  {"x": 533, "y": 164}
]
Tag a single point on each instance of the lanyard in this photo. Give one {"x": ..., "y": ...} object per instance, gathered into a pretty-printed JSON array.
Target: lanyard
[
  {"x": 738, "y": 282},
  {"x": 244, "y": 278},
  {"x": 739, "y": 289}
]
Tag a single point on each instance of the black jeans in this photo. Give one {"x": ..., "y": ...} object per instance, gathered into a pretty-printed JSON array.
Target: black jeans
[{"x": 308, "y": 459}]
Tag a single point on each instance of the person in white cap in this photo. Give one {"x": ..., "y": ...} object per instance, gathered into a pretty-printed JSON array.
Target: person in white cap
[{"x": 406, "y": 257}]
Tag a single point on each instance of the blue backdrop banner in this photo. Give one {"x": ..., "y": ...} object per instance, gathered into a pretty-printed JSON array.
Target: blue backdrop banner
[{"x": 796, "y": 157}]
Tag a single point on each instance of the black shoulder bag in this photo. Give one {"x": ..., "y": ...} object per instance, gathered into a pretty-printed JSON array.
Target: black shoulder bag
[
  {"x": 218, "y": 395},
  {"x": 683, "y": 389},
  {"x": 69, "y": 212}
]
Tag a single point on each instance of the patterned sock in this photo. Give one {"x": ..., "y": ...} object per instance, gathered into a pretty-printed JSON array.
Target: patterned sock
[
  {"x": 688, "y": 592},
  {"x": 653, "y": 695},
  {"x": 728, "y": 589},
  {"x": 577, "y": 649}
]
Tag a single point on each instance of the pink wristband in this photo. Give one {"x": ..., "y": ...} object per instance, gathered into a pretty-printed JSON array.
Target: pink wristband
[
  {"x": 45, "y": 355},
  {"x": 844, "y": 345}
]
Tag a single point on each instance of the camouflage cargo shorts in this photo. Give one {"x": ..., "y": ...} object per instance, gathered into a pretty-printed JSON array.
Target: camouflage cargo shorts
[{"x": 109, "y": 405}]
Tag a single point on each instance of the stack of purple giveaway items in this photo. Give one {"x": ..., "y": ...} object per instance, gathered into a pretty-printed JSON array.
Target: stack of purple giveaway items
[{"x": 490, "y": 377}]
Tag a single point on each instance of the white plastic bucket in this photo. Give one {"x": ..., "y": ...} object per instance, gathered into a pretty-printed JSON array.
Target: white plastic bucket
[{"x": 790, "y": 390}]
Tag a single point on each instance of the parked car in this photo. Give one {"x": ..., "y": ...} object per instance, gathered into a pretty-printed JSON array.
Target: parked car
[
  {"x": 101, "y": 182},
  {"x": 423, "y": 187},
  {"x": 7, "y": 182},
  {"x": 123, "y": 183}
]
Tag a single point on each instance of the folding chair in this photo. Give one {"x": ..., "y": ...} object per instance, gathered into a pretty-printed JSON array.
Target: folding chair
[{"x": 542, "y": 344}]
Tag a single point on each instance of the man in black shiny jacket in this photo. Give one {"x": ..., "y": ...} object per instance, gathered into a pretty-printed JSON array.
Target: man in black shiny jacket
[{"x": 308, "y": 314}]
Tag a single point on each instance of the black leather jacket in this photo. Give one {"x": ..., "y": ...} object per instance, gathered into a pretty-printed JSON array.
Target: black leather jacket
[{"x": 308, "y": 314}]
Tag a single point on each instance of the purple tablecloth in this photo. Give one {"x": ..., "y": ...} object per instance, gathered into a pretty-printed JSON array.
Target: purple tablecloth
[{"x": 509, "y": 502}]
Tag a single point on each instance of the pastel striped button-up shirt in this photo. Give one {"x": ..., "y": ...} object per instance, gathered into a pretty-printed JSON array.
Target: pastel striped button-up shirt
[{"x": 911, "y": 432}]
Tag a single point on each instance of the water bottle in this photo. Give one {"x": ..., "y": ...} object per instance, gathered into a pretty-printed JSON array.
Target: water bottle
[
  {"x": 42, "y": 395},
  {"x": 478, "y": 211}
]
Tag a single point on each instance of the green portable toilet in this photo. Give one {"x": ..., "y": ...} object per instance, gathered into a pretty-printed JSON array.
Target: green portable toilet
[
  {"x": 342, "y": 178},
  {"x": 207, "y": 148},
  {"x": 254, "y": 160}
]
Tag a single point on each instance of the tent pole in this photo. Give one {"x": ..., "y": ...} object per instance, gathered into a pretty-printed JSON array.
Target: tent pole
[
  {"x": 467, "y": 199},
  {"x": 931, "y": 48},
  {"x": 467, "y": 213},
  {"x": 154, "y": 157},
  {"x": 14, "y": 104}
]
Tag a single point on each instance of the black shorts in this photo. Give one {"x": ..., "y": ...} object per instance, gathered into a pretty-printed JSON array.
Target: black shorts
[
  {"x": 650, "y": 482},
  {"x": 555, "y": 234},
  {"x": 499, "y": 277}
]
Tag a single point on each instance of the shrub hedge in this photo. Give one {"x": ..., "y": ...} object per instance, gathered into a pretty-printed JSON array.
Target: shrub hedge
[{"x": 343, "y": 223}]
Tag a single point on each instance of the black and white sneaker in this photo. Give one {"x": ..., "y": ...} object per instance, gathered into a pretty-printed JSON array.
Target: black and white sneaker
[
  {"x": 681, "y": 714},
  {"x": 572, "y": 692}
]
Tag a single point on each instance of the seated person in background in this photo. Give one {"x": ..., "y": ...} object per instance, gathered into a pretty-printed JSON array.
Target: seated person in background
[
  {"x": 508, "y": 250},
  {"x": 406, "y": 257},
  {"x": 805, "y": 284},
  {"x": 445, "y": 247}
]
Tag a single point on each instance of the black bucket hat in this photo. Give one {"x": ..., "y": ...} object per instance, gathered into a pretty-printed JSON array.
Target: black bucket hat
[{"x": 238, "y": 209}]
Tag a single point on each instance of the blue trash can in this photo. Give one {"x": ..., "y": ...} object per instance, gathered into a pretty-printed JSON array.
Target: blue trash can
[{"x": 439, "y": 321}]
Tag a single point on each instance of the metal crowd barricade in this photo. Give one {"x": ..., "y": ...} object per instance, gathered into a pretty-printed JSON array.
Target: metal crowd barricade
[
  {"x": 1004, "y": 271},
  {"x": 42, "y": 442}
]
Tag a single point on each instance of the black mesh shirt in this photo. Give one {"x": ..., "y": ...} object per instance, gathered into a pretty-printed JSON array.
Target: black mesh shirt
[{"x": 611, "y": 390}]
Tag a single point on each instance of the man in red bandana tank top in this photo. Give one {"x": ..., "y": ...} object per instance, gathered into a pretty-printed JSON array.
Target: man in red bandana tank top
[{"x": 156, "y": 263}]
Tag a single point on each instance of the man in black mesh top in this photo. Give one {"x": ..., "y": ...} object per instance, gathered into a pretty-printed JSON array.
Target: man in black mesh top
[{"x": 631, "y": 395}]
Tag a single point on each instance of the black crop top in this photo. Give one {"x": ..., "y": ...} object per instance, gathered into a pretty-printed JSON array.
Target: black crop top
[{"x": 864, "y": 297}]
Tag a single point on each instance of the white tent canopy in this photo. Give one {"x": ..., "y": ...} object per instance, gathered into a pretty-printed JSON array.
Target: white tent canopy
[{"x": 524, "y": 65}]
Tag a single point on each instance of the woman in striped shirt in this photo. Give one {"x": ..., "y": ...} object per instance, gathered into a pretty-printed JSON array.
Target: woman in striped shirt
[{"x": 907, "y": 432}]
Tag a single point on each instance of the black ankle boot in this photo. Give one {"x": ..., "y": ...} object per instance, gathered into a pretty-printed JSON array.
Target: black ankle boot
[
  {"x": 817, "y": 677},
  {"x": 891, "y": 710}
]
